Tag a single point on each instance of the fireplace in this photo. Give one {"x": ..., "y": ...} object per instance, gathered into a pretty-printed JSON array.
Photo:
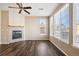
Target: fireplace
[{"x": 16, "y": 34}]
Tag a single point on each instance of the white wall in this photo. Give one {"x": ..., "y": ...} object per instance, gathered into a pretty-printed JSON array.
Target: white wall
[
  {"x": 32, "y": 28},
  {"x": 51, "y": 26},
  {"x": 15, "y": 19}
]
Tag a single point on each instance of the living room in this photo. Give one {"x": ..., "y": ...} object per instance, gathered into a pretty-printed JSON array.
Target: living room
[{"x": 38, "y": 29}]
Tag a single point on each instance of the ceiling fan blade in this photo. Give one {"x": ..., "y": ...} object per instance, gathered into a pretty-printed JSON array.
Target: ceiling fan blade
[
  {"x": 27, "y": 7},
  {"x": 26, "y": 11},
  {"x": 13, "y": 7},
  {"x": 19, "y": 5},
  {"x": 20, "y": 11}
]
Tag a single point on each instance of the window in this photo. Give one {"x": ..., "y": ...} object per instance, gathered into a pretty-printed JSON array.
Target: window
[
  {"x": 61, "y": 24},
  {"x": 42, "y": 27},
  {"x": 76, "y": 39},
  {"x": 57, "y": 25},
  {"x": 77, "y": 23},
  {"x": 64, "y": 16}
]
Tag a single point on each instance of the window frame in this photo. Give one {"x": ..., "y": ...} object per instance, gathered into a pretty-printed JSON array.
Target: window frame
[
  {"x": 51, "y": 25},
  {"x": 75, "y": 44}
]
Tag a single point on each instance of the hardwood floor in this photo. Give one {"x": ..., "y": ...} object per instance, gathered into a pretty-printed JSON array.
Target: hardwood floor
[{"x": 30, "y": 48}]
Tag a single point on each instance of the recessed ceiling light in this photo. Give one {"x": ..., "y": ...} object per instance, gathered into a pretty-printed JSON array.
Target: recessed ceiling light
[{"x": 40, "y": 8}]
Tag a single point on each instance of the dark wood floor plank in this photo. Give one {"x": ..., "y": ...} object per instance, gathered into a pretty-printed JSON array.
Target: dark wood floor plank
[{"x": 30, "y": 48}]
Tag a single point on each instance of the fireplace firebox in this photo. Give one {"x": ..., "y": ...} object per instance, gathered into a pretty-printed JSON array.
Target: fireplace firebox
[{"x": 16, "y": 34}]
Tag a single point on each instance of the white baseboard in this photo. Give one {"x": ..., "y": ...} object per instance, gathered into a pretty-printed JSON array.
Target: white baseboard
[
  {"x": 4, "y": 43},
  {"x": 37, "y": 39},
  {"x": 13, "y": 41}
]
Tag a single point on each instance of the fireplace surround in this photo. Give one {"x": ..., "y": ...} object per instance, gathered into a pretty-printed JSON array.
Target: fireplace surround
[{"x": 16, "y": 33}]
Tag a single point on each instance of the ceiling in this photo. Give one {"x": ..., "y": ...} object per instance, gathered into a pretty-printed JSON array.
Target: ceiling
[{"x": 48, "y": 8}]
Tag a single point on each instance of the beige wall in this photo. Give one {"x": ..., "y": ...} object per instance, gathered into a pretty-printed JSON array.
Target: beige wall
[
  {"x": 0, "y": 27},
  {"x": 4, "y": 27},
  {"x": 67, "y": 49},
  {"x": 32, "y": 28}
]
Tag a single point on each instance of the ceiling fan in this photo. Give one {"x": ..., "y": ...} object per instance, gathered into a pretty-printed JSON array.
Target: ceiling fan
[{"x": 20, "y": 6}]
